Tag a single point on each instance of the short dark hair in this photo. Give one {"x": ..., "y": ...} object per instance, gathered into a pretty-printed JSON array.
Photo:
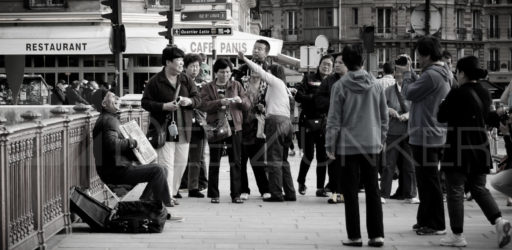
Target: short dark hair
[
  {"x": 352, "y": 56},
  {"x": 171, "y": 53},
  {"x": 222, "y": 63},
  {"x": 191, "y": 58},
  {"x": 278, "y": 71},
  {"x": 387, "y": 69},
  {"x": 267, "y": 44},
  {"x": 429, "y": 46},
  {"x": 471, "y": 68},
  {"x": 446, "y": 54}
]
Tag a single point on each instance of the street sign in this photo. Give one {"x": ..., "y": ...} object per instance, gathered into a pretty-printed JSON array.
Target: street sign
[
  {"x": 203, "y": 16},
  {"x": 203, "y": 31},
  {"x": 203, "y": 1}
]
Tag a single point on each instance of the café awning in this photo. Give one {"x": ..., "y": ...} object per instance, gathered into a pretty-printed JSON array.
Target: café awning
[{"x": 94, "y": 40}]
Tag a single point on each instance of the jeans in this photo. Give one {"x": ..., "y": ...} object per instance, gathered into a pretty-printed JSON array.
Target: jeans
[
  {"x": 356, "y": 168},
  {"x": 154, "y": 174},
  {"x": 502, "y": 182},
  {"x": 398, "y": 151},
  {"x": 278, "y": 131},
  {"x": 310, "y": 140},
  {"x": 455, "y": 198},
  {"x": 255, "y": 153},
  {"x": 234, "y": 147},
  {"x": 174, "y": 155},
  {"x": 195, "y": 157},
  {"x": 431, "y": 208}
]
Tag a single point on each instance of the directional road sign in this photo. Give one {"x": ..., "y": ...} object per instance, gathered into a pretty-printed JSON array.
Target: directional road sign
[
  {"x": 203, "y": 31},
  {"x": 203, "y": 16},
  {"x": 203, "y": 1}
]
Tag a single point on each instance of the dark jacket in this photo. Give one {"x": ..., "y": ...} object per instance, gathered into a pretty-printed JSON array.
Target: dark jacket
[
  {"x": 467, "y": 146},
  {"x": 112, "y": 153},
  {"x": 58, "y": 97},
  {"x": 306, "y": 91},
  {"x": 211, "y": 103},
  {"x": 323, "y": 94},
  {"x": 74, "y": 96},
  {"x": 159, "y": 91}
]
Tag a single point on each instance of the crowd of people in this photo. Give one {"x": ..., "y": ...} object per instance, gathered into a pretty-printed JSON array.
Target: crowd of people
[{"x": 358, "y": 128}]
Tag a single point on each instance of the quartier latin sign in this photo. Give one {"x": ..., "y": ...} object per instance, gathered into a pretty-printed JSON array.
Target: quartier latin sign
[{"x": 55, "y": 47}]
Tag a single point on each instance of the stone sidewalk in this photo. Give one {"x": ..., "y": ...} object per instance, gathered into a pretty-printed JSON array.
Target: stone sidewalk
[{"x": 308, "y": 223}]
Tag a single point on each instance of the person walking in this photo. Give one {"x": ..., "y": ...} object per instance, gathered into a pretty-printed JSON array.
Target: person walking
[
  {"x": 467, "y": 158},
  {"x": 225, "y": 98},
  {"x": 426, "y": 134},
  {"x": 357, "y": 141},
  {"x": 312, "y": 125}
]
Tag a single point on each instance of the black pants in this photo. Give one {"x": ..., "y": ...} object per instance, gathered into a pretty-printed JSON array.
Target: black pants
[
  {"x": 455, "y": 198},
  {"x": 364, "y": 168},
  {"x": 278, "y": 130},
  {"x": 255, "y": 153},
  {"x": 398, "y": 153},
  {"x": 154, "y": 174},
  {"x": 192, "y": 176},
  {"x": 234, "y": 144},
  {"x": 431, "y": 209},
  {"x": 310, "y": 141},
  {"x": 334, "y": 171}
]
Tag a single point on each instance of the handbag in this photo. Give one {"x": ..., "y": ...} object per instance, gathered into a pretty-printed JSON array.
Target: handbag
[
  {"x": 157, "y": 134},
  {"x": 218, "y": 130}
]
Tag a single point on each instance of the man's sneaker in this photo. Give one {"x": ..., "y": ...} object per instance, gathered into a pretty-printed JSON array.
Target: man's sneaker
[
  {"x": 412, "y": 201},
  {"x": 382, "y": 200},
  {"x": 416, "y": 227},
  {"x": 244, "y": 196},
  {"x": 273, "y": 199},
  {"x": 302, "y": 189},
  {"x": 430, "y": 231},
  {"x": 503, "y": 232},
  {"x": 333, "y": 199},
  {"x": 353, "y": 242},
  {"x": 453, "y": 240},
  {"x": 266, "y": 195},
  {"x": 321, "y": 193},
  {"x": 195, "y": 193},
  {"x": 341, "y": 198},
  {"x": 376, "y": 242}
]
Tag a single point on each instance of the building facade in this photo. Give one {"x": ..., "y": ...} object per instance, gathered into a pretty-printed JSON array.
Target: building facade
[
  {"x": 69, "y": 40},
  {"x": 465, "y": 27}
]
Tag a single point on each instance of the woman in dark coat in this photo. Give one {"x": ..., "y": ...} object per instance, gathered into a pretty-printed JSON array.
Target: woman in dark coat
[{"x": 467, "y": 155}]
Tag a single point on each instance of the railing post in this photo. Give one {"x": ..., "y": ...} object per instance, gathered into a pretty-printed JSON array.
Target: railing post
[
  {"x": 4, "y": 211},
  {"x": 66, "y": 177}
]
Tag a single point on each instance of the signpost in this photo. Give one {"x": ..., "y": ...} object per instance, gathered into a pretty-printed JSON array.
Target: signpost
[
  {"x": 214, "y": 15},
  {"x": 203, "y": 31}
]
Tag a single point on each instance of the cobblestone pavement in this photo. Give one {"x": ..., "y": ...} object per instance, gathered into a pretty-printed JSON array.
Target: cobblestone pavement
[{"x": 308, "y": 223}]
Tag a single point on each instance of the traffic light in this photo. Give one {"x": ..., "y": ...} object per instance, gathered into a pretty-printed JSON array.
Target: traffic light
[
  {"x": 119, "y": 38},
  {"x": 114, "y": 16},
  {"x": 368, "y": 37},
  {"x": 167, "y": 24}
]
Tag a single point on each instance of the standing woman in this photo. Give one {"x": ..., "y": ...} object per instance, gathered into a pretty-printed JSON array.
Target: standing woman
[
  {"x": 223, "y": 97},
  {"x": 311, "y": 123},
  {"x": 467, "y": 157}
]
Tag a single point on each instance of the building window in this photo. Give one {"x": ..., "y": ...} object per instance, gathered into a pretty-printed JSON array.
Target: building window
[
  {"x": 266, "y": 20},
  {"x": 321, "y": 17},
  {"x": 46, "y": 3},
  {"x": 355, "y": 16},
  {"x": 494, "y": 63},
  {"x": 383, "y": 20},
  {"x": 509, "y": 32},
  {"x": 494, "y": 29},
  {"x": 460, "y": 18},
  {"x": 291, "y": 19},
  {"x": 383, "y": 56},
  {"x": 460, "y": 53},
  {"x": 476, "y": 19}
]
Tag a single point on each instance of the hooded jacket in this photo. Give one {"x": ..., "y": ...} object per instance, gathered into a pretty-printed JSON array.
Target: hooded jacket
[
  {"x": 426, "y": 93},
  {"x": 357, "y": 121}
]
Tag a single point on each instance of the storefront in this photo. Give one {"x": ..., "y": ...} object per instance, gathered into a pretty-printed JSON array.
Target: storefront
[{"x": 83, "y": 52}]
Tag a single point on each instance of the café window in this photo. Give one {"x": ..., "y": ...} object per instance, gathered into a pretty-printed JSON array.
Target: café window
[
  {"x": 45, "y": 3},
  {"x": 147, "y": 61},
  {"x": 40, "y": 61},
  {"x": 95, "y": 61},
  {"x": 67, "y": 61}
]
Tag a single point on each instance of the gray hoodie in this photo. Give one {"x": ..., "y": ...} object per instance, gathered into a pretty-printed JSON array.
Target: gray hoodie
[
  {"x": 358, "y": 116},
  {"x": 426, "y": 93}
]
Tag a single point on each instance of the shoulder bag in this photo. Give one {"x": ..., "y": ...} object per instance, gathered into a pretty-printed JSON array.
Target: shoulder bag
[{"x": 157, "y": 134}]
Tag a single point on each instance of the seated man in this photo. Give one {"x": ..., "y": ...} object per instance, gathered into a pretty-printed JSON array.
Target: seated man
[{"x": 115, "y": 161}]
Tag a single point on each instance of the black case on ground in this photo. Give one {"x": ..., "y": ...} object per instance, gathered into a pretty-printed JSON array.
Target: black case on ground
[{"x": 92, "y": 212}]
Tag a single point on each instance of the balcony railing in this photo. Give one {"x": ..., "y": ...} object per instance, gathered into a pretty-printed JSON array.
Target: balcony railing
[
  {"x": 493, "y": 33},
  {"x": 40, "y": 161},
  {"x": 477, "y": 34},
  {"x": 493, "y": 65},
  {"x": 461, "y": 33},
  {"x": 290, "y": 35}
]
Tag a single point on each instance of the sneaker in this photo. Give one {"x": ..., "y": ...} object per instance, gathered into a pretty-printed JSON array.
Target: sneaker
[
  {"x": 453, "y": 240},
  {"x": 503, "y": 232},
  {"x": 341, "y": 198},
  {"x": 412, "y": 201},
  {"x": 321, "y": 193},
  {"x": 302, "y": 189},
  {"x": 416, "y": 227},
  {"x": 382, "y": 200},
  {"x": 376, "y": 242},
  {"x": 430, "y": 231},
  {"x": 244, "y": 196},
  {"x": 195, "y": 193},
  {"x": 266, "y": 195},
  {"x": 353, "y": 242},
  {"x": 273, "y": 199},
  {"x": 333, "y": 199},
  {"x": 176, "y": 218}
]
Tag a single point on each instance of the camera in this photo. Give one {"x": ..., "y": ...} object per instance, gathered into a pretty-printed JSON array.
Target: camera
[{"x": 401, "y": 61}]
